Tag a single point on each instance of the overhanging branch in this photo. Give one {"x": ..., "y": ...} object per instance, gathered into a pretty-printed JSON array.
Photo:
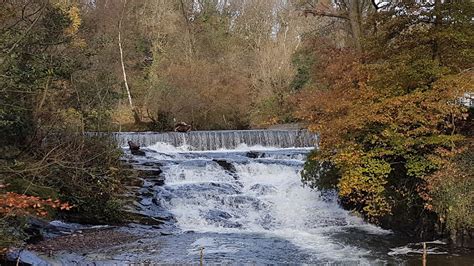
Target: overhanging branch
[{"x": 324, "y": 14}]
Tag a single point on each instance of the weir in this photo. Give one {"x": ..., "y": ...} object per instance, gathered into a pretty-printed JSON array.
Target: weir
[
  {"x": 224, "y": 139},
  {"x": 239, "y": 195}
]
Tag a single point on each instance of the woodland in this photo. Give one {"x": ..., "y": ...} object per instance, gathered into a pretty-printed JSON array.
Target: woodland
[{"x": 381, "y": 82}]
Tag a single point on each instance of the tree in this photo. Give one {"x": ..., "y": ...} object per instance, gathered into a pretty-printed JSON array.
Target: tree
[
  {"x": 45, "y": 107},
  {"x": 351, "y": 12},
  {"x": 135, "y": 112},
  {"x": 221, "y": 65},
  {"x": 388, "y": 117}
]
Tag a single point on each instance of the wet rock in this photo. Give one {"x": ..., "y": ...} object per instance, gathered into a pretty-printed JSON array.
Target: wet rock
[
  {"x": 241, "y": 201},
  {"x": 149, "y": 172},
  {"x": 152, "y": 164},
  {"x": 25, "y": 257},
  {"x": 158, "y": 181},
  {"x": 262, "y": 189},
  {"x": 221, "y": 218},
  {"x": 254, "y": 154},
  {"x": 147, "y": 194},
  {"x": 39, "y": 230},
  {"x": 212, "y": 214},
  {"x": 135, "y": 148},
  {"x": 240, "y": 184},
  {"x": 156, "y": 201},
  {"x": 226, "y": 165},
  {"x": 146, "y": 202},
  {"x": 144, "y": 219},
  {"x": 163, "y": 194},
  {"x": 138, "y": 153}
]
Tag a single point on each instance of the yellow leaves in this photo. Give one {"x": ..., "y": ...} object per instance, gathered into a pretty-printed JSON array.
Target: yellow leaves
[
  {"x": 74, "y": 16},
  {"x": 348, "y": 157},
  {"x": 364, "y": 183}
]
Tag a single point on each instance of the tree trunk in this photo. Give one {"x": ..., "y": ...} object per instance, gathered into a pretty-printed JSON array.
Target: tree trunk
[
  {"x": 188, "y": 29},
  {"x": 348, "y": 10},
  {"x": 437, "y": 24},
  {"x": 136, "y": 116},
  {"x": 355, "y": 23}
]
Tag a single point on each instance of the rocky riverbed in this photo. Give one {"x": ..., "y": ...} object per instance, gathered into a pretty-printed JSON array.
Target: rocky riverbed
[{"x": 239, "y": 205}]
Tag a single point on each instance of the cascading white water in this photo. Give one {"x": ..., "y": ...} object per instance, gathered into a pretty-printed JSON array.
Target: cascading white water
[
  {"x": 225, "y": 139},
  {"x": 242, "y": 205},
  {"x": 233, "y": 192}
]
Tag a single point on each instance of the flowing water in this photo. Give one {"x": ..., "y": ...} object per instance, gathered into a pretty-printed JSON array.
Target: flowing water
[
  {"x": 237, "y": 197},
  {"x": 252, "y": 209},
  {"x": 224, "y": 139}
]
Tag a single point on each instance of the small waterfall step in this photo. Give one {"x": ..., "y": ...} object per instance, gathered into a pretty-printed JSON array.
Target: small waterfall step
[{"x": 224, "y": 139}]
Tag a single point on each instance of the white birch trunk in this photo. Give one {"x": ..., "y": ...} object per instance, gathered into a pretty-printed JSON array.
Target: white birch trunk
[{"x": 121, "y": 60}]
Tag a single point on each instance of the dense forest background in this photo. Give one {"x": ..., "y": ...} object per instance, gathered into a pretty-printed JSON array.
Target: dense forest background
[{"x": 379, "y": 80}]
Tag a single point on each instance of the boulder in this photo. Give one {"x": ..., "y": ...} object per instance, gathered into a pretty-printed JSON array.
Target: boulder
[
  {"x": 226, "y": 165},
  {"x": 135, "y": 149},
  {"x": 254, "y": 154}
]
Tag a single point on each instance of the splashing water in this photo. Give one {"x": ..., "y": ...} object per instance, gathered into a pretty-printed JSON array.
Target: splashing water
[
  {"x": 249, "y": 202},
  {"x": 236, "y": 197}
]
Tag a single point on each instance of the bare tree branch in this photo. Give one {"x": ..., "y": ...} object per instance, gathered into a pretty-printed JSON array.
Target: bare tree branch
[{"x": 325, "y": 14}]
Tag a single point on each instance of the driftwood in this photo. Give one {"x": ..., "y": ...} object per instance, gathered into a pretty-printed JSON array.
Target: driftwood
[{"x": 182, "y": 127}]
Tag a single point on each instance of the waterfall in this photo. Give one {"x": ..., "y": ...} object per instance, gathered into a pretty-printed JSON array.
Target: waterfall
[
  {"x": 234, "y": 198},
  {"x": 225, "y": 139}
]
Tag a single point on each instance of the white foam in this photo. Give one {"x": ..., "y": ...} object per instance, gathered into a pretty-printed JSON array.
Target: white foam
[
  {"x": 168, "y": 148},
  {"x": 284, "y": 209},
  {"x": 417, "y": 248},
  {"x": 406, "y": 250},
  {"x": 181, "y": 174}
]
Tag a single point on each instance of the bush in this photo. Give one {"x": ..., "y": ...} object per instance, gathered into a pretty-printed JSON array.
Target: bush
[
  {"x": 452, "y": 196},
  {"x": 320, "y": 175},
  {"x": 83, "y": 171}
]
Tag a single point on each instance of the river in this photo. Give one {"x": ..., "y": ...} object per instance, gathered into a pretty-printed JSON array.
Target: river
[{"x": 237, "y": 197}]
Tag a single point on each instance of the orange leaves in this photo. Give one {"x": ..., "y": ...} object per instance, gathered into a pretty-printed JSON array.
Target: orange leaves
[{"x": 12, "y": 204}]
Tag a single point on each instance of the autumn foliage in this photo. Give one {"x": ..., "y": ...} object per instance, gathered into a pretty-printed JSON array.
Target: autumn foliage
[
  {"x": 13, "y": 204},
  {"x": 14, "y": 208},
  {"x": 390, "y": 116},
  {"x": 46, "y": 104}
]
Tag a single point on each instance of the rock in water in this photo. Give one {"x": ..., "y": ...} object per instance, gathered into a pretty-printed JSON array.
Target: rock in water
[
  {"x": 135, "y": 148},
  {"x": 226, "y": 165},
  {"x": 182, "y": 127},
  {"x": 229, "y": 167}
]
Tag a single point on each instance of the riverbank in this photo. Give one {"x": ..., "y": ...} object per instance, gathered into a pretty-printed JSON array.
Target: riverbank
[{"x": 243, "y": 205}]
